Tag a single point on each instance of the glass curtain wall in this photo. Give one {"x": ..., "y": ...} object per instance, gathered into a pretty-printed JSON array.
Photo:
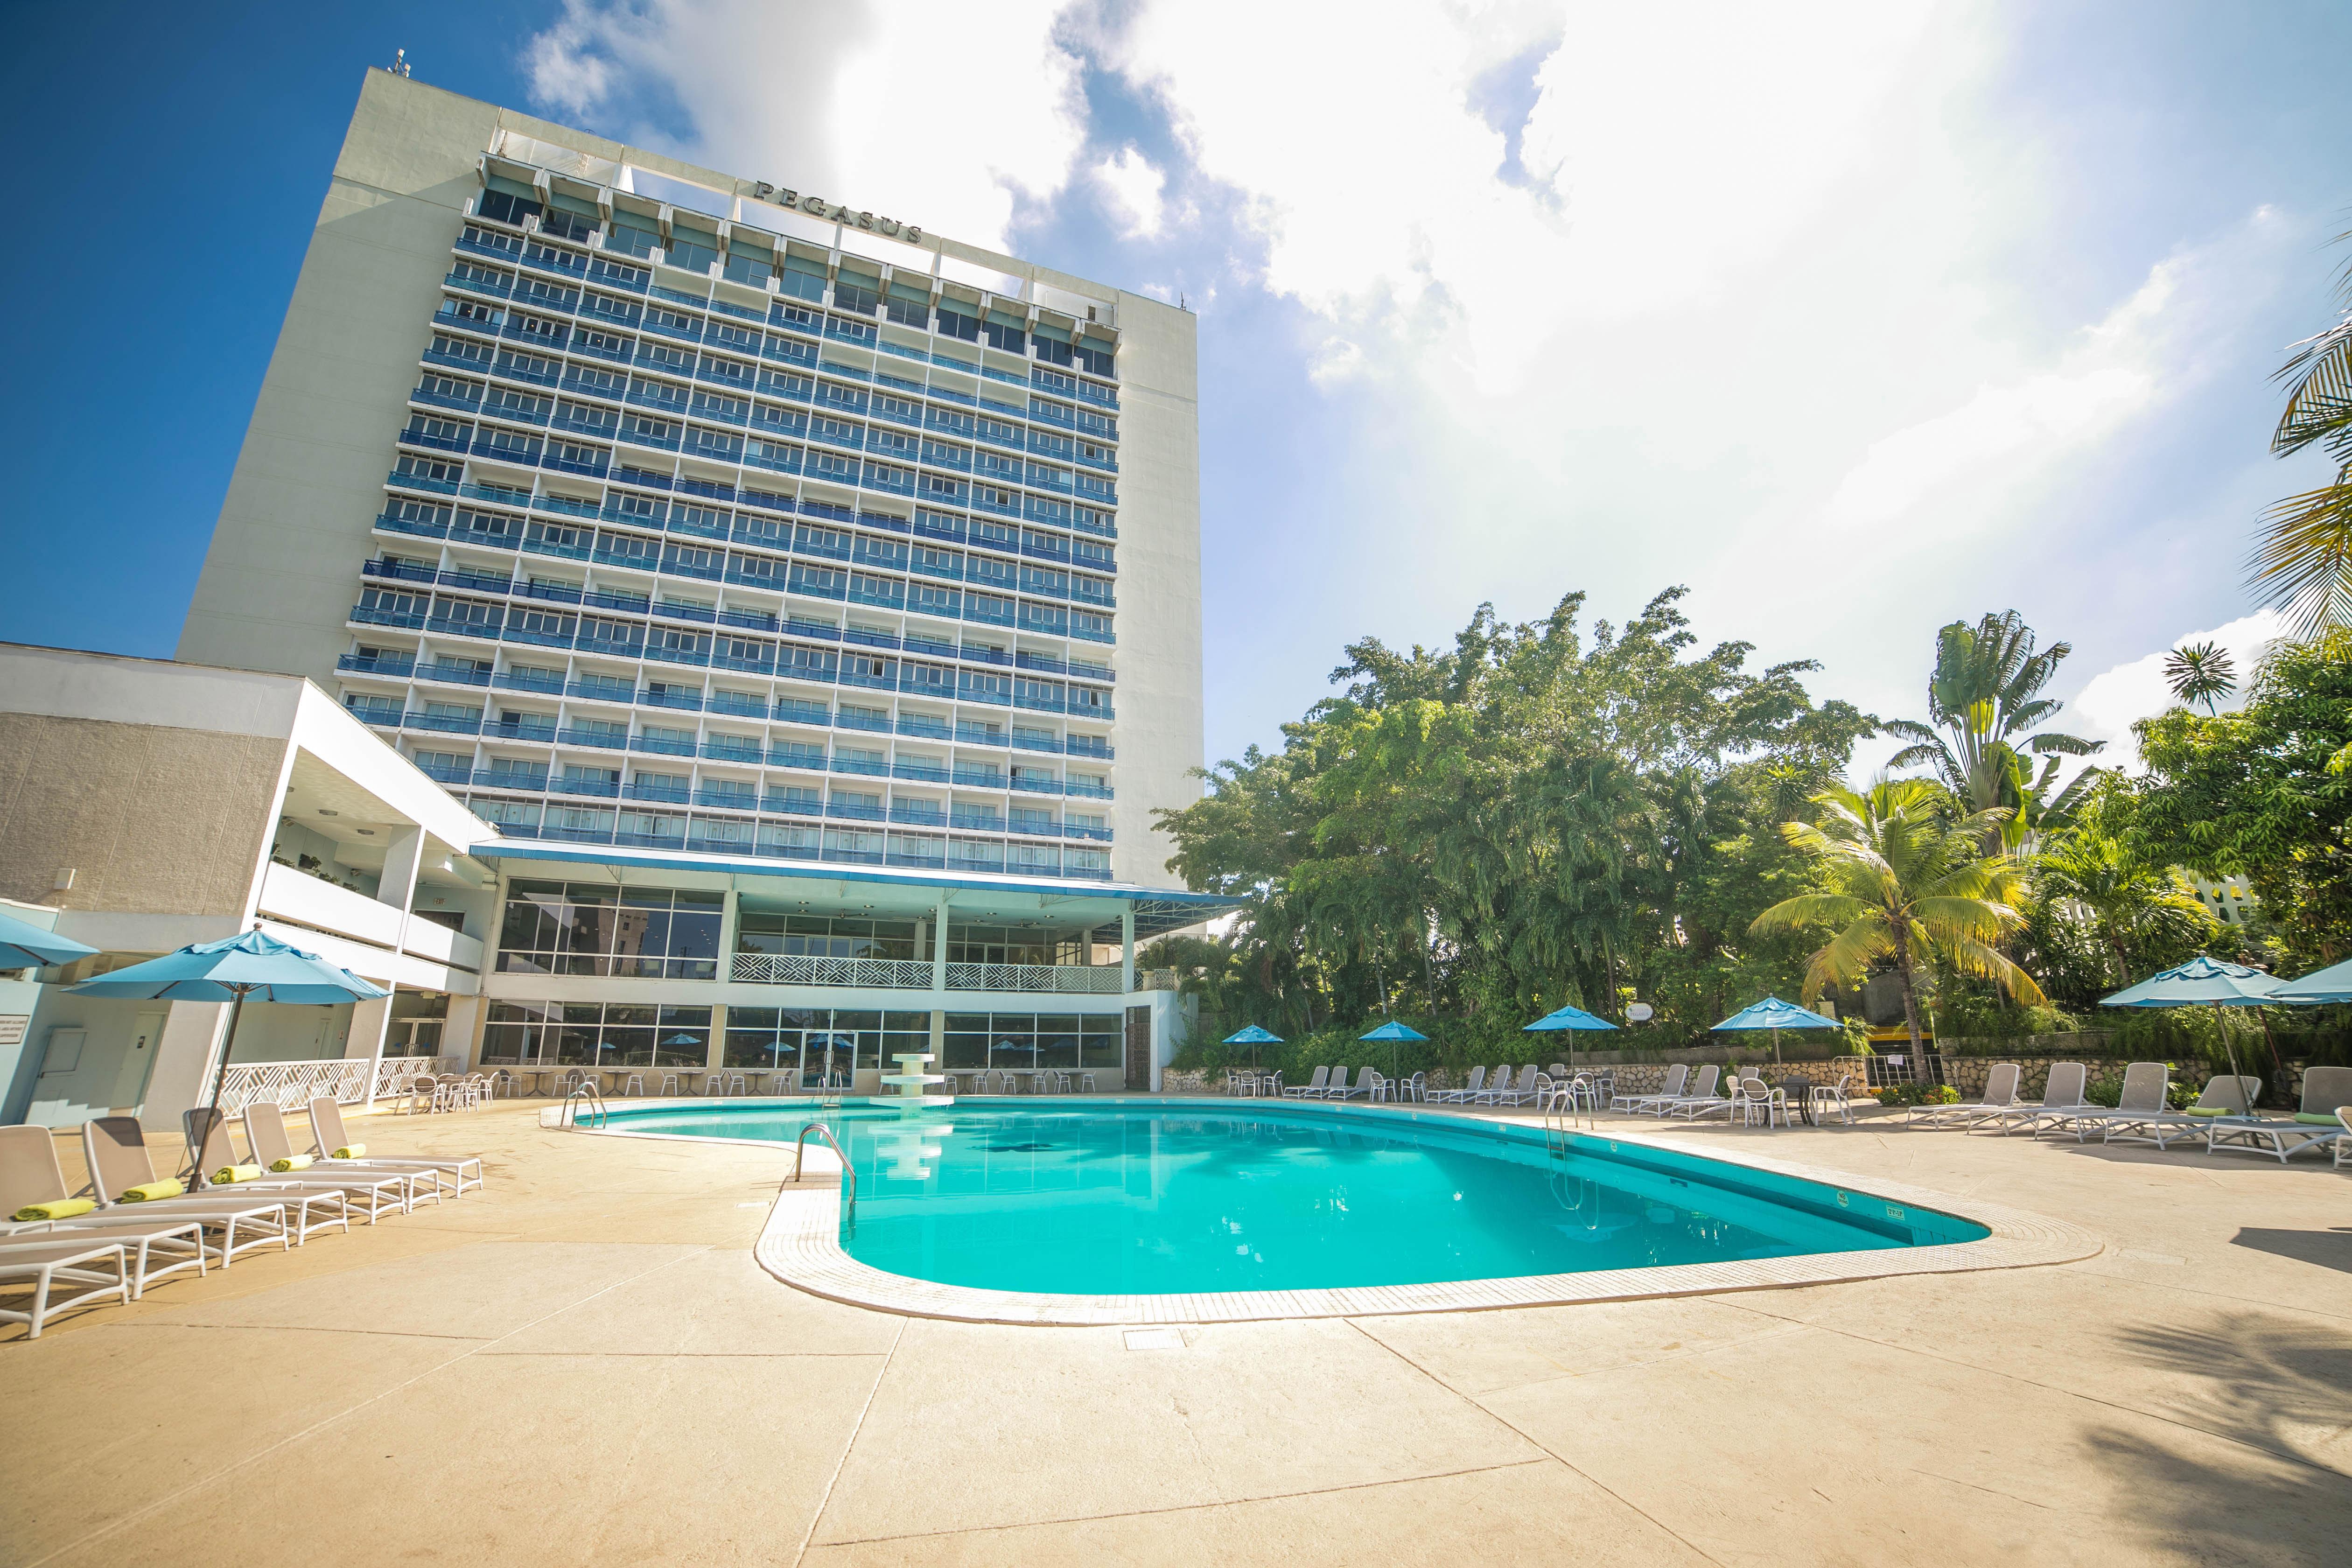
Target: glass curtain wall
[
  {"x": 1025, "y": 1042},
  {"x": 823, "y": 1045},
  {"x": 597, "y": 1035}
]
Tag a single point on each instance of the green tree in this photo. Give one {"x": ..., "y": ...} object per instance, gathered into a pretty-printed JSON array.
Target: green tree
[
  {"x": 2201, "y": 672},
  {"x": 2135, "y": 909},
  {"x": 2302, "y": 560},
  {"x": 1909, "y": 885},
  {"x": 1983, "y": 697},
  {"x": 2264, "y": 793}
]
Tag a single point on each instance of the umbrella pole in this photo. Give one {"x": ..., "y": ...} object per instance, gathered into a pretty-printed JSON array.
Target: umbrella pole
[
  {"x": 2221, "y": 1022},
  {"x": 220, "y": 1077}
]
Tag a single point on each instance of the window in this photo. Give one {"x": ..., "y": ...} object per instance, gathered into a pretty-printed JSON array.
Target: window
[
  {"x": 823, "y": 1045},
  {"x": 597, "y": 1035},
  {"x": 555, "y": 928},
  {"x": 1021, "y": 1042}
]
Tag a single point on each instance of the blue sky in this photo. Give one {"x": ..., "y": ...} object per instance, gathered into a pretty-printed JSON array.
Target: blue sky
[{"x": 1853, "y": 319}]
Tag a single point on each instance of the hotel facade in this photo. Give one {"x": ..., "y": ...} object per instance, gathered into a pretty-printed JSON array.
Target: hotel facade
[{"x": 776, "y": 624}]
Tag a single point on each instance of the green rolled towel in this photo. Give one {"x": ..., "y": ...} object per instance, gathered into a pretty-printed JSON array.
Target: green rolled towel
[
  {"x": 2210, "y": 1110},
  {"x": 2315, "y": 1118},
  {"x": 351, "y": 1151},
  {"x": 229, "y": 1176},
  {"x": 56, "y": 1209},
  {"x": 294, "y": 1163},
  {"x": 149, "y": 1192}
]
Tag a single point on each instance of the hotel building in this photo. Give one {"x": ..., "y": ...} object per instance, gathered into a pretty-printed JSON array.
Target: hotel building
[{"x": 800, "y": 609}]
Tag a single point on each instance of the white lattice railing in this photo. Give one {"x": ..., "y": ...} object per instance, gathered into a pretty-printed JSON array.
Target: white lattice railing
[
  {"x": 290, "y": 1086},
  {"x": 904, "y": 974},
  {"x": 800, "y": 969},
  {"x": 1098, "y": 980}
]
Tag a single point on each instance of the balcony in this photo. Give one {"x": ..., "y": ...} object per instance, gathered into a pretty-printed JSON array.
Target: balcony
[{"x": 903, "y": 975}]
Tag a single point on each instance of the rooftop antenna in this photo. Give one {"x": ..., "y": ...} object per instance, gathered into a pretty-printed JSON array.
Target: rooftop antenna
[{"x": 399, "y": 66}]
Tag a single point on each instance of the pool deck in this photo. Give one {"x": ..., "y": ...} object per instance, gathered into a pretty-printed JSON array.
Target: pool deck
[{"x": 584, "y": 1364}]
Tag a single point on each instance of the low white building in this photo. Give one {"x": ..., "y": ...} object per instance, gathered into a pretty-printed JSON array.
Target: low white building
[{"x": 150, "y": 803}]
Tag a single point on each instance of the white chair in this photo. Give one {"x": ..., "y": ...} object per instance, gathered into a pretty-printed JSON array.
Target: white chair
[
  {"x": 1824, "y": 1097},
  {"x": 1702, "y": 1100},
  {"x": 1671, "y": 1088},
  {"x": 1752, "y": 1097},
  {"x": 1312, "y": 1089},
  {"x": 1470, "y": 1091},
  {"x": 2143, "y": 1095},
  {"x": 1999, "y": 1096}
]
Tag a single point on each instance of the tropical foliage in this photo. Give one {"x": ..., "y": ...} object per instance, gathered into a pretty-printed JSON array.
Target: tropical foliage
[
  {"x": 1538, "y": 815},
  {"x": 2201, "y": 672},
  {"x": 2264, "y": 793},
  {"x": 2302, "y": 561}
]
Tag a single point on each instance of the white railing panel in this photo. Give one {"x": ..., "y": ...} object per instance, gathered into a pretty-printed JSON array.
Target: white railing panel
[
  {"x": 290, "y": 1086},
  {"x": 1067, "y": 979}
]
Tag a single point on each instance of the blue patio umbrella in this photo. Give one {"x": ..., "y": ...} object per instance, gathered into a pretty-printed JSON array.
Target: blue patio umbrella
[
  {"x": 1393, "y": 1032},
  {"x": 2333, "y": 983},
  {"x": 1568, "y": 1018},
  {"x": 27, "y": 946},
  {"x": 252, "y": 964},
  {"x": 1252, "y": 1037},
  {"x": 2200, "y": 983},
  {"x": 1776, "y": 1016}
]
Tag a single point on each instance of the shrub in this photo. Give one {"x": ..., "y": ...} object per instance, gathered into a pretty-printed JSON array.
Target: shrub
[{"x": 1918, "y": 1094}]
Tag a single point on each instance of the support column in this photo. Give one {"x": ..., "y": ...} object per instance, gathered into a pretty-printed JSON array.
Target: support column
[
  {"x": 940, "y": 950},
  {"x": 715, "y": 1058},
  {"x": 370, "y": 1023},
  {"x": 461, "y": 1031},
  {"x": 1127, "y": 952},
  {"x": 185, "y": 1059},
  {"x": 729, "y": 923}
]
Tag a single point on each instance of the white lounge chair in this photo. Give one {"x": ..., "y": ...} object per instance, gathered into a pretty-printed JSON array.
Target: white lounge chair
[
  {"x": 1366, "y": 1081},
  {"x": 1522, "y": 1092},
  {"x": 1499, "y": 1084},
  {"x": 1474, "y": 1086},
  {"x": 2317, "y": 1123},
  {"x": 1702, "y": 1100},
  {"x": 2143, "y": 1095},
  {"x": 30, "y": 1175},
  {"x": 2062, "y": 1095},
  {"x": 2221, "y": 1097},
  {"x": 1671, "y": 1088},
  {"x": 115, "y": 1151},
  {"x": 373, "y": 1192},
  {"x": 88, "y": 1257},
  {"x": 1999, "y": 1096},
  {"x": 327, "y": 1133}
]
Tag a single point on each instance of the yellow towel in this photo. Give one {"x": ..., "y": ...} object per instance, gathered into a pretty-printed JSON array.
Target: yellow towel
[
  {"x": 351, "y": 1151},
  {"x": 148, "y": 1192},
  {"x": 294, "y": 1163},
  {"x": 229, "y": 1176},
  {"x": 56, "y": 1209}
]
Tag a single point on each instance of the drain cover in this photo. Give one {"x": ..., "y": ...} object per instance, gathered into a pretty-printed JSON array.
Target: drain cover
[{"x": 1017, "y": 1148}]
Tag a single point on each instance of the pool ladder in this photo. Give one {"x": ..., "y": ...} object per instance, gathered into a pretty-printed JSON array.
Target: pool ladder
[
  {"x": 584, "y": 1097},
  {"x": 848, "y": 1171}
]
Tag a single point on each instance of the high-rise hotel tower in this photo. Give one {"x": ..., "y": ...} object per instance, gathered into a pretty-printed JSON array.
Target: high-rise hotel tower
[{"x": 649, "y": 507}]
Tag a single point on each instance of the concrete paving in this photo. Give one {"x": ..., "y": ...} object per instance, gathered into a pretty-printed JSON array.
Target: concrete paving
[{"x": 583, "y": 1364}]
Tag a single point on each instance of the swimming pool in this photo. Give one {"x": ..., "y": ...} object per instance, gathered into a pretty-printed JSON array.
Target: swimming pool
[{"x": 1128, "y": 1198}]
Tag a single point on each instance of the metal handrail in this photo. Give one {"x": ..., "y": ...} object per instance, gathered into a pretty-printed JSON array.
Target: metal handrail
[
  {"x": 584, "y": 1093},
  {"x": 848, "y": 1172}
]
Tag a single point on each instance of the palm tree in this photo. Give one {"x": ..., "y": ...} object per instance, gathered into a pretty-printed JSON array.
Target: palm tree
[
  {"x": 1911, "y": 883},
  {"x": 2201, "y": 672},
  {"x": 1983, "y": 696},
  {"x": 2302, "y": 561}
]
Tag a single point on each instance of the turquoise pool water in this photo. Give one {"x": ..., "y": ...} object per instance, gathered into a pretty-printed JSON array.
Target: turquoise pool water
[{"x": 1164, "y": 1196}]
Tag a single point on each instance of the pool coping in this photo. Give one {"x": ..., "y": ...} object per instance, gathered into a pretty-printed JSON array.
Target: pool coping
[{"x": 799, "y": 1246}]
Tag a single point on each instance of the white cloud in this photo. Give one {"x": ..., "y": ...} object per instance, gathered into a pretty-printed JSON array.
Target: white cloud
[
  {"x": 1133, "y": 189},
  {"x": 916, "y": 110},
  {"x": 2114, "y": 699}
]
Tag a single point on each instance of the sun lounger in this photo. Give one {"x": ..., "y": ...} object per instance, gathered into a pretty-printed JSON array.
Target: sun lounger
[
  {"x": 86, "y": 1258},
  {"x": 373, "y": 1194},
  {"x": 1311, "y": 1088},
  {"x": 1671, "y": 1090},
  {"x": 1702, "y": 1100},
  {"x": 29, "y": 1175},
  {"x": 1366, "y": 1079},
  {"x": 1999, "y": 1095},
  {"x": 2142, "y": 1096},
  {"x": 1516, "y": 1091},
  {"x": 327, "y": 1131},
  {"x": 2317, "y": 1124},
  {"x": 2062, "y": 1095},
  {"x": 1470, "y": 1091},
  {"x": 265, "y": 1136},
  {"x": 2223, "y": 1097},
  {"x": 116, "y": 1151}
]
